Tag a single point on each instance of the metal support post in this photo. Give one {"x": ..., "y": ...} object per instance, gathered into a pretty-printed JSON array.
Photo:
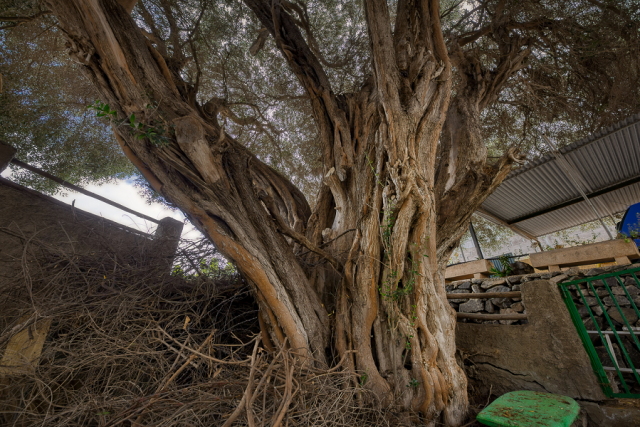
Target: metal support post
[{"x": 475, "y": 240}]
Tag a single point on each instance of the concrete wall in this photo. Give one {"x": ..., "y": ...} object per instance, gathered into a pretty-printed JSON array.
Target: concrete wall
[
  {"x": 26, "y": 214},
  {"x": 544, "y": 355}
]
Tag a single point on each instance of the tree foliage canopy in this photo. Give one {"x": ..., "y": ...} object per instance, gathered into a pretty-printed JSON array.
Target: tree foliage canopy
[
  {"x": 43, "y": 107},
  {"x": 581, "y": 74}
]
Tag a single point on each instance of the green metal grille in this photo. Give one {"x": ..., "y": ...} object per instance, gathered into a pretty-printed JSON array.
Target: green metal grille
[{"x": 615, "y": 340}]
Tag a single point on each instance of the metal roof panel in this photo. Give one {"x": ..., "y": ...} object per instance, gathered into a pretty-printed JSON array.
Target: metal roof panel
[{"x": 603, "y": 159}]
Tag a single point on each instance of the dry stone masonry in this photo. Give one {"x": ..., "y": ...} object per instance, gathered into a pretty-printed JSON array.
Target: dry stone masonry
[
  {"x": 493, "y": 305},
  {"x": 597, "y": 305}
]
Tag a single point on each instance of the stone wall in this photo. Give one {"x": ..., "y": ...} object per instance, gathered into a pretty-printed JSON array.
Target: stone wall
[
  {"x": 493, "y": 305},
  {"x": 27, "y": 214}
]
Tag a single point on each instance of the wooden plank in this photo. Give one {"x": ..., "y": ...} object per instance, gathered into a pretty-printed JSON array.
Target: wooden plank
[
  {"x": 593, "y": 253},
  {"x": 24, "y": 348},
  {"x": 514, "y": 294},
  {"x": 491, "y": 316},
  {"x": 468, "y": 270},
  {"x": 623, "y": 260}
]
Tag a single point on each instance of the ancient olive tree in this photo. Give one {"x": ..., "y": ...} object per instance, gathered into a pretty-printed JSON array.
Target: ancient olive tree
[{"x": 417, "y": 119}]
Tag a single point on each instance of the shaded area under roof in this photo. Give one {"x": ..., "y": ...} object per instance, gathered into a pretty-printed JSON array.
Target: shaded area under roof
[{"x": 539, "y": 198}]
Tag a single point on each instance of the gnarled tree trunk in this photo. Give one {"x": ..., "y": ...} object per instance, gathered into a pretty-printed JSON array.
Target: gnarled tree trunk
[{"x": 363, "y": 274}]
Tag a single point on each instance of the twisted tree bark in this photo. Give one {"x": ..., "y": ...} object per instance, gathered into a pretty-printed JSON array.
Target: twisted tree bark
[{"x": 363, "y": 274}]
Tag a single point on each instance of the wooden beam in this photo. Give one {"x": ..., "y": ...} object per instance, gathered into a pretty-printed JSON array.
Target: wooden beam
[
  {"x": 514, "y": 294},
  {"x": 593, "y": 253},
  {"x": 468, "y": 270},
  {"x": 477, "y": 316}
]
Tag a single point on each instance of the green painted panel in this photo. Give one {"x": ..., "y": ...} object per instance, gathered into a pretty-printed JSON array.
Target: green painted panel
[{"x": 530, "y": 408}]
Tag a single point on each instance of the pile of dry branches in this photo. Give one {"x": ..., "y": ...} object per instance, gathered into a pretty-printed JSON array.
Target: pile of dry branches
[{"x": 131, "y": 344}]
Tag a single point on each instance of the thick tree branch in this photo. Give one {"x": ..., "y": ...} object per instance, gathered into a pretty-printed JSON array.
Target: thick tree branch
[
  {"x": 17, "y": 20},
  {"x": 298, "y": 237},
  {"x": 384, "y": 55},
  {"x": 330, "y": 117}
]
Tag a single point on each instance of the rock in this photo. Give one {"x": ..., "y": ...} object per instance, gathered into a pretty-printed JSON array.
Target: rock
[
  {"x": 472, "y": 306},
  {"x": 448, "y": 288},
  {"x": 464, "y": 285},
  {"x": 507, "y": 311},
  {"x": 584, "y": 312},
  {"x": 601, "y": 292},
  {"x": 516, "y": 287},
  {"x": 594, "y": 272},
  {"x": 477, "y": 281},
  {"x": 459, "y": 291},
  {"x": 476, "y": 289},
  {"x": 574, "y": 271},
  {"x": 493, "y": 283},
  {"x": 517, "y": 307},
  {"x": 501, "y": 302},
  {"x": 603, "y": 355},
  {"x": 559, "y": 278},
  {"x": 612, "y": 282},
  {"x": 454, "y": 305},
  {"x": 629, "y": 281},
  {"x": 520, "y": 267},
  {"x": 590, "y": 326},
  {"x": 591, "y": 301},
  {"x": 633, "y": 290},
  {"x": 489, "y": 307},
  {"x": 629, "y": 313},
  {"x": 622, "y": 301},
  {"x": 617, "y": 290},
  {"x": 514, "y": 280},
  {"x": 530, "y": 277}
]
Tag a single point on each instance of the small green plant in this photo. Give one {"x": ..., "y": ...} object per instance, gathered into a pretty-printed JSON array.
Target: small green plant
[
  {"x": 363, "y": 379},
  {"x": 103, "y": 110},
  {"x": 507, "y": 270},
  {"x": 373, "y": 169},
  {"x": 413, "y": 383},
  {"x": 156, "y": 132},
  {"x": 407, "y": 344},
  {"x": 210, "y": 269},
  {"x": 414, "y": 316}
]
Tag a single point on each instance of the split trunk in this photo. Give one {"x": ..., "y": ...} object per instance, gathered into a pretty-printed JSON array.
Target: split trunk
[{"x": 359, "y": 278}]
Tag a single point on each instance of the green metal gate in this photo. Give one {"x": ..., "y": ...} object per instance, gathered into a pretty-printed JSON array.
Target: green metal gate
[{"x": 604, "y": 310}]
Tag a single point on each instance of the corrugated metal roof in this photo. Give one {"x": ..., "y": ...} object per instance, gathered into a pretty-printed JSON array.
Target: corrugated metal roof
[{"x": 539, "y": 198}]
